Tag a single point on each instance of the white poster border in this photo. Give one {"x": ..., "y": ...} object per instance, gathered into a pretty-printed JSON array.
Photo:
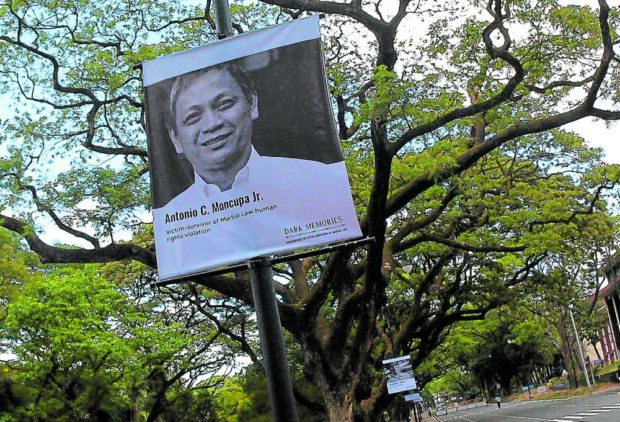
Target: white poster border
[
  {"x": 396, "y": 359},
  {"x": 266, "y": 39}
]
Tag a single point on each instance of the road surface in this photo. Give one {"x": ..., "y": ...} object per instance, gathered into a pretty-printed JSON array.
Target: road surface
[{"x": 599, "y": 407}]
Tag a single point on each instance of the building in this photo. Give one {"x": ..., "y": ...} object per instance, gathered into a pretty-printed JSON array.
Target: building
[{"x": 609, "y": 297}]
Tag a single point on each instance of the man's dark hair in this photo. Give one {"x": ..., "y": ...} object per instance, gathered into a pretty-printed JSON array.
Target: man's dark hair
[{"x": 236, "y": 70}]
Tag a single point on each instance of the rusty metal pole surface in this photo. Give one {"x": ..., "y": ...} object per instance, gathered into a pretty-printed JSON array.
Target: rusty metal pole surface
[
  {"x": 223, "y": 24},
  {"x": 271, "y": 341}
]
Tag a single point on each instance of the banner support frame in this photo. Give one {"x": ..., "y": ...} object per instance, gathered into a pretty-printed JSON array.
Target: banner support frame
[{"x": 274, "y": 260}]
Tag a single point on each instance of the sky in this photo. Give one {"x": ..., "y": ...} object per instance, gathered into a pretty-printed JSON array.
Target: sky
[
  {"x": 595, "y": 132},
  {"x": 599, "y": 135}
]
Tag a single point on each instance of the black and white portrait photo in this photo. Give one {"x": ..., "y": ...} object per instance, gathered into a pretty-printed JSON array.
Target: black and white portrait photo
[
  {"x": 211, "y": 112},
  {"x": 399, "y": 374},
  {"x": 244, "y": 154}
]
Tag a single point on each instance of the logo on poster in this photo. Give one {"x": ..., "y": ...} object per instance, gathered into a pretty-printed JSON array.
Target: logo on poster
[{"x": 312, "y": 226}]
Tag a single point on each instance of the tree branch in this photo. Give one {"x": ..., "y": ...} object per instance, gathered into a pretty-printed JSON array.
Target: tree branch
[{"x": 53, "y": 254}]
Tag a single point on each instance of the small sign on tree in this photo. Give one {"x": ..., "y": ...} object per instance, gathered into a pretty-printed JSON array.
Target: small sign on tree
[{"x": 399, "y": 374}]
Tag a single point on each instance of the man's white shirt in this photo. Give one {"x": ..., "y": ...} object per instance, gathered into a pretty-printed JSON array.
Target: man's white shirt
[{"x": 275, "y": 204}]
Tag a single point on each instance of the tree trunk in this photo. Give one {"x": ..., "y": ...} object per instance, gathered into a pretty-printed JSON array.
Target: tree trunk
[
  {"x": 567, "y": 353},
  {"x": 573, "y": 371},
  {"x": 339, "y": 407},
  {"x": 485, "y": 389},
  {"x": 598, "y": 355},
  {"x": 569, "y": 365}
]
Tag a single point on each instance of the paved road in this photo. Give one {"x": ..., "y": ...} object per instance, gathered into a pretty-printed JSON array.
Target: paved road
[{"x": 600, "y": 407}]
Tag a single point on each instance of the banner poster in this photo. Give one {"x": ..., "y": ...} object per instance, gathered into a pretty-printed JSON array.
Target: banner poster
[
  {"x": 415, "y": 397},
  {"x": 399, "y": 374},
  {"x": 244, "y": 155}
]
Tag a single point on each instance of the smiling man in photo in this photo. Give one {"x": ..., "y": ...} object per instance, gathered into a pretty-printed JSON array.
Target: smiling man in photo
[{"x": 210, "y": 122}]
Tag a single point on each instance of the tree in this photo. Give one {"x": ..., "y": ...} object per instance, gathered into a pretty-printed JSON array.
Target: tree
[
  {"x": 473, "y": 184},
  {"x": 17, "y": 267},
  {"x": 560, "y": 291},
  {"x": 562, "y": 286},
  {"x": 84, "y": 346},
  {"x": 507, "y": 347}
]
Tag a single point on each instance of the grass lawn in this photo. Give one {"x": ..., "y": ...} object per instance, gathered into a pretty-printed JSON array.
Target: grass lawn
[
  {"x": 603, "y": 370},
  {"x": 564, "y": 394}
]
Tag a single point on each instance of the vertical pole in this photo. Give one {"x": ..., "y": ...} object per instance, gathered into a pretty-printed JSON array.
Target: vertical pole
[
  {"x": 223, "y": 24},
  {"x": 612, "y": 335},
  {"x": 271, "y": 341},
  {"x": 583, "y": 362},
  {"x": 613, "y": 302},
  {"x": 279, "y": 383}
]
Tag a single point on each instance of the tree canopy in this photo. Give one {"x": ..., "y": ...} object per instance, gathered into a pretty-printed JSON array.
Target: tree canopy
[
  {"x": 91, "y": 342},
  {"x": 451, "y": 119}
]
